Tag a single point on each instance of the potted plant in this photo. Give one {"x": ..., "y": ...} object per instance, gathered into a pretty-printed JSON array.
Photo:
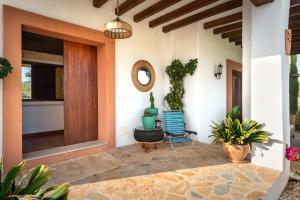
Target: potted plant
[
  {"x": 237, "y": 136},
  {"x": 294, "y": 89},
  {"x": 148, "y": 120},
  {"x": 152, "y": 109},
  {"x": 177, "y": 72},
  {"x": 30, "y": 185},
  {"x": 5, "y": 67}
]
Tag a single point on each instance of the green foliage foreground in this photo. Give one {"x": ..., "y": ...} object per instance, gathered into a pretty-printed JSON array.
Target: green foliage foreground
[{"x": 18, "y": 185}]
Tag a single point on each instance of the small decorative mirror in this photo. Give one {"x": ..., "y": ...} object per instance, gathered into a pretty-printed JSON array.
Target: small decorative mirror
[{"x": 143, "y": 75}]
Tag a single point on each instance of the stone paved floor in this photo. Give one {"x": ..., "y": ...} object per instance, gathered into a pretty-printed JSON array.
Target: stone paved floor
[{"x": 198, "y": 173}]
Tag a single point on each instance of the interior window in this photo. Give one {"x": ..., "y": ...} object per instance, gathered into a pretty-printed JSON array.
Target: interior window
[
  {"x": 42, "y": 82},
  {"x": 26, "y": 82}
]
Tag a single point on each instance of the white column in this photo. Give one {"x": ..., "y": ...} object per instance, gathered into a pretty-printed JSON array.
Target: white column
[
  {"x": 247, "y": 5},
  {"x": 269, "y": 74}
]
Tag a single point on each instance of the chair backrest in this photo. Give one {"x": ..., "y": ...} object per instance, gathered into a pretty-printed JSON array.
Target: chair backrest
[{"x": 173, "y": 122}]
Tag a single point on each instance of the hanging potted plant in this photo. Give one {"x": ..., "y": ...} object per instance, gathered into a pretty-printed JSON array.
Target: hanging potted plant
[
  {"x": 153, "y": 110},
  {"x": 294, "y": 89},
  {"x": 238, "y": 136},
  {"x": 177, "y": 72},
  {"x": 5, "y": 67}
]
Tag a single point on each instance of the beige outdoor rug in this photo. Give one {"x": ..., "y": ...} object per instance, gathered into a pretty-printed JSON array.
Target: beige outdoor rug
[{"x": 80, "y": 168}]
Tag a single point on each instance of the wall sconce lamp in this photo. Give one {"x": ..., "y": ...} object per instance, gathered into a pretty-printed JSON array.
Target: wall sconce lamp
[{"x": 218, "y": 73}]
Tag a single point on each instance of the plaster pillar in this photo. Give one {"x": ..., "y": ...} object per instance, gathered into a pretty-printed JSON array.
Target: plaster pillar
[{"x": 266, "y": 83}]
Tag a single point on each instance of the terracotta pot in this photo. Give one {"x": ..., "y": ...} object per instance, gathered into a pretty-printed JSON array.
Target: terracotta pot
[
  {"x": 236, "y": 153},
  {"x": 292, "y": 119}
]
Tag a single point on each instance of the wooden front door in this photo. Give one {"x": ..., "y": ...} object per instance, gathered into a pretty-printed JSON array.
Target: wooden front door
[
  {"x": 237, "y": 90},
  {"x": 80, "y": 93},
  {"x": 234, "y": 79}
]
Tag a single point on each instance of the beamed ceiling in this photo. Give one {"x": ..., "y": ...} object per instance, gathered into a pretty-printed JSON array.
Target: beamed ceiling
[
  {"x": 295, "y": 25},
  {"x": 224, "y": 17}
]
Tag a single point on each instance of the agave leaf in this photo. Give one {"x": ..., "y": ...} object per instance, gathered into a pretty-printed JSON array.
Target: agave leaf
[
  {"x": 10, "y": 178},
  {"x": 38, "y": 178},
  {"x": 56, "y": 192}
]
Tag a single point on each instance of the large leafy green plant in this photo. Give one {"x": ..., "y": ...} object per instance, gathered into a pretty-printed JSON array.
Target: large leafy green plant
[
  {"x": 5, "y": 67},
  {"x": 234, "y": 132},
  {"x": 294, "y": 88},
  {"x": 177, "y": 72},
  {"x": 29, "y": 186}
]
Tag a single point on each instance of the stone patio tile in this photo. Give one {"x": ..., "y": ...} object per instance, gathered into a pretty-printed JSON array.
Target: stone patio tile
[{"x": 199, "y": 173}]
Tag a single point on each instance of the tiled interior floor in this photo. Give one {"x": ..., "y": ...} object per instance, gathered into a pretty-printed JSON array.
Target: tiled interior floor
[{"x": 198, "y": 173}]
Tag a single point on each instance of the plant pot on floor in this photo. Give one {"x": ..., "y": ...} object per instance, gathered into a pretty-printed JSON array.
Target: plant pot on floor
[
  {"x": 236, "y": 153},
  {"x": 148, "y": 122}
]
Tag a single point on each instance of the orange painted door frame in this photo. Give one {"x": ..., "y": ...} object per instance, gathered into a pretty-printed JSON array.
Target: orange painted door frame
[{"x": 14, "y": 22}]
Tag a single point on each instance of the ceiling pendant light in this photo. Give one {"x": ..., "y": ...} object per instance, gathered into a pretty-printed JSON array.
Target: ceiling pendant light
[{"x": 118, "y": 29}]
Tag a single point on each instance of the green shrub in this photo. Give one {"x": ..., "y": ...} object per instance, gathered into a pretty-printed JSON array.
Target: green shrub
[
  {"x": 5, "y": 68},
  {"x": 298, "y": 118},
  {"x": 294, "y": 87}
]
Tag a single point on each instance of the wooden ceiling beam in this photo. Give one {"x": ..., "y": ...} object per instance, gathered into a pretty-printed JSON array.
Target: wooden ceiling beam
[
  {"x": 228, "y": 28},
  {"x": 155, "y": 8},
  {"x": 128, "y": 5},
  {"x": 190, "y": 7},
  {"x": 99, "y": 3},
  {"x": 295, "y": 25},
  {"x": 294, "y": 19},
  {"x": 238, "y": 43},
  {"x": 203, "y": 15},
  {"x": 232, "y": 34},
  {"x": 295, "y": 10},
  {"x": 261, "y": 2},
  {"x": 224, "y": 20},
  {"x": 295, "y": 2},
  {"x": 235, "y": 39}
]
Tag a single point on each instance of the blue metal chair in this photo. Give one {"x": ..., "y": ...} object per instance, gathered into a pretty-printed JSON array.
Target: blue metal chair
[{"x": 174, "y": 128}]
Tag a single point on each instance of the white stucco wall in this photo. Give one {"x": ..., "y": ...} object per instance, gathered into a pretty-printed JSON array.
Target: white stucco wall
[
  {"x": 204, "y": 100},
  {"x": 205, "y": 96},
  {"x": 42, "y": 116}
]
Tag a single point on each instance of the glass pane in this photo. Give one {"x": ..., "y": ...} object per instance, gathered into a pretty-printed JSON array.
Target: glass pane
[
  {"x": 144, "y": 76},
  {"x": 26, "y": 82}
]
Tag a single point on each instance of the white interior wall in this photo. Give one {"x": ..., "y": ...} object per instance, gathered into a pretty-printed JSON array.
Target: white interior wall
[
  {"x": 42, "y": 116},
  {"x": 204, "y": 100},
  {"x": 205, "y": 96}
]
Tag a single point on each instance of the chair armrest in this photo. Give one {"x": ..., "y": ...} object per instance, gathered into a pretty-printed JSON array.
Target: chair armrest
[{"x": 191, "y": 132}]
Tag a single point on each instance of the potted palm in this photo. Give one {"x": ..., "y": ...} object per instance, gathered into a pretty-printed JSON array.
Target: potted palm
[
  {"x": 237, "y": 136},
  {"x": 153, "y": 110},
  {"x": 148, "y": 120}
]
